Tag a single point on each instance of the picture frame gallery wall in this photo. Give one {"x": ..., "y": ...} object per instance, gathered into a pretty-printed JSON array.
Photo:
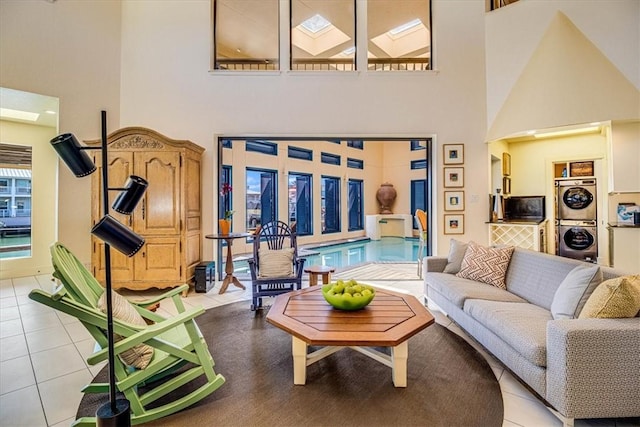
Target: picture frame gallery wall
[{"x": 454, "y": 201}]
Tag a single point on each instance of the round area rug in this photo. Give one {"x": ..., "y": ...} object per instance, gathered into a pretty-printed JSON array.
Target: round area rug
[{"x": 448, "y": 383}]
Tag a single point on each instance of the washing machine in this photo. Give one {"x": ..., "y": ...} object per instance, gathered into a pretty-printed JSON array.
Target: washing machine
[
  {"x": 576, "y": 199},
  {"x": 578, "y": 240}
]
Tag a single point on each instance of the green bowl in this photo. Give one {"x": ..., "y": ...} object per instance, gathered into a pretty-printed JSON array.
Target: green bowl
[{"x": 341, "y": 302}]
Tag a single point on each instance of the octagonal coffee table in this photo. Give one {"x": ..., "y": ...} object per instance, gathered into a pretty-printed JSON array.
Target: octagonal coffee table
[{"x": 388, "y": 321}]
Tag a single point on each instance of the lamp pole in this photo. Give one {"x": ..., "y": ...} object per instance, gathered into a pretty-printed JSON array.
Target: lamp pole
[{"x": 117, "y": 412}]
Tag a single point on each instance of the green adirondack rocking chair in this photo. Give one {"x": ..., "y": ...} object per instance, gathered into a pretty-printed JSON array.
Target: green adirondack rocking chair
[{"x": 176, "y": 341}]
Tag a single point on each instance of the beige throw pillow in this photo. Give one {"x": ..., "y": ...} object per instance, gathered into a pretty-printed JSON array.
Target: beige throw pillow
[
  {"x": 457, "y": 249},
  {"x": 275, "y": 263},
  {"x": 486, "y": 265},
  {"x": 140, "y": 355},
  {"x": 614, "y": 298}
]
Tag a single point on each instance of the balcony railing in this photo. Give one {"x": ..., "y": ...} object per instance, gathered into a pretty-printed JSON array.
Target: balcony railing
[{"x": 326, "y": 64}]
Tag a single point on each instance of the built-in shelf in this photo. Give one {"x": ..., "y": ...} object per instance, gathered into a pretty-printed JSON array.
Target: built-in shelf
[{"x": 573, "y": 169}]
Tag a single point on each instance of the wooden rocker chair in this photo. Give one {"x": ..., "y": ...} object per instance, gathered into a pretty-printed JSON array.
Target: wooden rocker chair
[
  {"x": 171, "y": 343},
  {"x": 421, "y": 220},
  {"x": 275, "y": 266}
]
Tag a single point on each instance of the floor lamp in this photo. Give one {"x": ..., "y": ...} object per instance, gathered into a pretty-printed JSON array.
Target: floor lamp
[{"x": 114, "y": 234}]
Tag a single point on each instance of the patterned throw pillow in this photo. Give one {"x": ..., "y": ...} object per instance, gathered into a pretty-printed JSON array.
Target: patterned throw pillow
[
  {"x": 140, "y": 355},
  {"x": 486, "y": 265},
  {"x": 275, "y": 263},
  {"x": 614, "y": 299}
]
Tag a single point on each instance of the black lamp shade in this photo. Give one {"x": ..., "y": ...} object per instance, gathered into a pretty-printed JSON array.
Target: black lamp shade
[
  {"x": 71, "y": 153},
  {"x": 118, "y": 236},
  {"x": 127, "y": 200}
]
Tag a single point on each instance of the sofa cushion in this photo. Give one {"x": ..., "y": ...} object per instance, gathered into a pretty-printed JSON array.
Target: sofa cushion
[
  {"x": 614, "y": 298},
  {"x": 457, "y": 289},
  {"x": 535, "y": 276},
  {"x": 522, "y": 326},
  {"x": 486, "y": 265},
  {"x": 574, "y": 291},
  {"x": 457, "y": 250}
]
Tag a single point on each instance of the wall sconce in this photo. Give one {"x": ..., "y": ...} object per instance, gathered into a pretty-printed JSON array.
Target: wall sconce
[{"x": 116, "y": 412}]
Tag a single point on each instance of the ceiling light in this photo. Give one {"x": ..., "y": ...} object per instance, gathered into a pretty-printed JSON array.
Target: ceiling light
[
  {"x": 567, "y": 132},
  {"x": 349, "y": 51},
  {"x": 531, "y": 132},
  {"x": 50, "y": 112},
  {"x": 18, "y": 115},
  {"x": 594, "y": 123},
  {"x": 404, "y": 27},
  {"x": 315, "y": 24}
]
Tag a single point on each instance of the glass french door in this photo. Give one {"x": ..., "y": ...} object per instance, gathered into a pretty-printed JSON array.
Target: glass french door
[
  {"x": 300, "y": 210},
  {"x": 355, "y": 205}
]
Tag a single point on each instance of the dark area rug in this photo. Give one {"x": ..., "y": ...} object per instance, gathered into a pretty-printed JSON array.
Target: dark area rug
[{"x": 449, "y": 382}]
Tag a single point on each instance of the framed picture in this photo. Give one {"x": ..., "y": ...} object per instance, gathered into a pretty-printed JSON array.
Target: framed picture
[
  {"x": 454, "y": 200},
  {"x": 506, "y": 186},
  {"x": 453, "y": 177},
  {"x": 506, "y": 164},
  {"x": 453, "y": 154},
  {"x": 454, "y": 224}
]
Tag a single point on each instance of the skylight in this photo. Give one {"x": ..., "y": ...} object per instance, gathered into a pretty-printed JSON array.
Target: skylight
[
  {"x": 404, "y": 27},
  {"x": 315, "y": 24},
  {"x": 18, "y": 114}
]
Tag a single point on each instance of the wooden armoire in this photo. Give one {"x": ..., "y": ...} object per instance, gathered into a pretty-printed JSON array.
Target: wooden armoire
[{"x": 168, "y": 216}]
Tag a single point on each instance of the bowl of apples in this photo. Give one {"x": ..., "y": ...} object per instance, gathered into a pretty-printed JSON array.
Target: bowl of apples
[{"x": 348, "y": 295}]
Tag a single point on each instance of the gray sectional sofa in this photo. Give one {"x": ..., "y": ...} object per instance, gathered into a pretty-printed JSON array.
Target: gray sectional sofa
[{"x": 582, "y": 368}]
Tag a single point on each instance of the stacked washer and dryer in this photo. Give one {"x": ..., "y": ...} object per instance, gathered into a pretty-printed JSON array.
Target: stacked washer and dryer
[{"x": 576, "y": 219}]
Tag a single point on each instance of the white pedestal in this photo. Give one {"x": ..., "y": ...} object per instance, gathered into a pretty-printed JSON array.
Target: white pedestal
[{"x": 391, "y": 225}]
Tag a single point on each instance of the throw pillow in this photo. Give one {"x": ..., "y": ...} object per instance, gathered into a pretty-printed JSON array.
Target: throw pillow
[
  {"x": 574, "y": 291},
  {"x": 614, "y": 298},
  {"x": 486, "y": 265},
  {"x": 457, "y": 250},
  {"x": 140, "y": 355},
  {"x": 275, "y": 263}
]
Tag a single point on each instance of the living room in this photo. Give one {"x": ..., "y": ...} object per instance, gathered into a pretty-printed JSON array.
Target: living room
[{"x": 148, "y": 64}]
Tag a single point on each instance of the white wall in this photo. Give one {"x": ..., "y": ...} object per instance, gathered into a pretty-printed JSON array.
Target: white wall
[
  {"x": 147, "y": 62},
  {"x": 514, "y": 32},
  {"x": 69, "y": 49},
  {"x": 183, "y": 100}
]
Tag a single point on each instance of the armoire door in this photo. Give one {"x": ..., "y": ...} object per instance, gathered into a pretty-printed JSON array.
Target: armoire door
[
  {"x": 159, "y": 259},
  {"x": 159, "y": 213},
  {"x": 120, "y": 168}
]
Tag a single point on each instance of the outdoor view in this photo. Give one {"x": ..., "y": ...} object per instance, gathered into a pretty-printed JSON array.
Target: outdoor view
[{"x": 15, "y": 201}]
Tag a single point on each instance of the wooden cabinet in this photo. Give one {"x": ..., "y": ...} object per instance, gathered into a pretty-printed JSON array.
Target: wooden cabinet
[
  {"x": 168, "y": 217},
  {"x": 624, "y": 157}
]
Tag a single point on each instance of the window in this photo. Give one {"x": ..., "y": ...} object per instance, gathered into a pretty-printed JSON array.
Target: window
[
  {"x": 330, "y": 204},
  {"x": 323, "y": 35},
  {"x": 300, "y": 153},
  {"x": 355, "y": 205},
  {"x": 300, "y": 206},
  {"x": 355, "y": 163},
  {"x": 4, "y": 186},
  {"x": 261, "y": 199},
  {"x": 264, "y": 147},
  {"x": 418, "y": 196},
  {"x": 418, "y": 164},
  {"x": 246, "y": 35},
  {"x": 399, "y": 35},
  {"x": 226, "y": 201},
  {"x": 355, "y": 143},
  {"x": 330, "y": 159}
]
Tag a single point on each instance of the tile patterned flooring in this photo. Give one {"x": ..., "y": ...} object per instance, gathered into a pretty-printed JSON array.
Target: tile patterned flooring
[{"x": 43, "y": 353}]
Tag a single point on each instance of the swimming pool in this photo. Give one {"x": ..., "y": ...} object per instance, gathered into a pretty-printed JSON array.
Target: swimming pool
[{"x": 387, "y": 249}]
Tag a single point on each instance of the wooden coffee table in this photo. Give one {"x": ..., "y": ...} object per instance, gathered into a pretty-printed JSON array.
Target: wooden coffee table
[{"x": 389, "y": 321}]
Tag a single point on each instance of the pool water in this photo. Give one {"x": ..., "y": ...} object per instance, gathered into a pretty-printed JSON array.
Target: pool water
[{"x": 387, "y": 249}]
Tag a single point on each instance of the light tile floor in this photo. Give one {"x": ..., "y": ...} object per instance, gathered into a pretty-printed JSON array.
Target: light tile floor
[{"x": 43, "y": 353}]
